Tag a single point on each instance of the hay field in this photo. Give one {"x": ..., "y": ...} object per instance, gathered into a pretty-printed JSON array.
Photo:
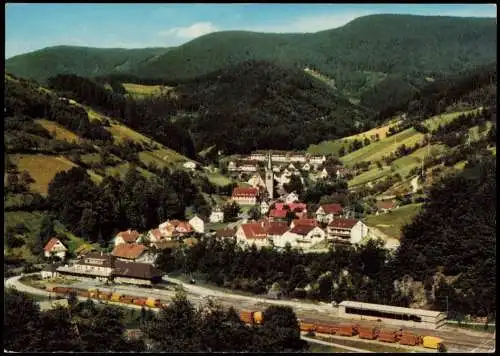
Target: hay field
[
  {"x": 58, "y": 132},
  {"x": 392, "y": 223},
  {"x": 42, "y": 168}
]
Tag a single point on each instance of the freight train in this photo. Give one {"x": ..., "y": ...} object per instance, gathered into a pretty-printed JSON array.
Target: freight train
[{"x": 400, "y": 336}]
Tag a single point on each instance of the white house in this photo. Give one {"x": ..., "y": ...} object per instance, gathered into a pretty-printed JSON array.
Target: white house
[
  {"x": 327, "y": 212},
  {"x": 301, "y": 236},
  {"x": 154, "y": 236},
  {"x": 252, "y": 233},
  {"x": 50, "y": 271},
  {"x": 55, "y": 248},
  {"x": 297, "y": 157},
  {"x": 189, "y": 165},
  {"x": 347, "y": 230},
  {"x": 129, "y": 236},
  {"x": 323, "y": 174},
  {"x": 291, "y": 166},
  {"x": 306, "y": 167},
  {"x": 197, "y": 224},
  {"x": 291, "y": 198},
  {"x": 217, "y": 215},
  {"x": 257, "y": 156},
  {"x": 264, "y": 207}
]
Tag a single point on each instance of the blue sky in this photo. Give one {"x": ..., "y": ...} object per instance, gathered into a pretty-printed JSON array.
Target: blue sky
[{"x": 30, "y": 27}]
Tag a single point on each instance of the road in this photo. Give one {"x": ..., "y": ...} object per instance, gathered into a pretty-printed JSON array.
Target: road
[
  {"x": 456, "y": 339},
  {"x": 316, "y": 341}
]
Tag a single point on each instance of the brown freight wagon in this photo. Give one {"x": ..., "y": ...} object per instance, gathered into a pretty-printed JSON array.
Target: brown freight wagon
[
  {"x": 368, "y": 333},
  {"x": 330, "y": 329},
  {"x": 83, "y": 293},
  {"x": 126, "y": 300},
  {"x": 347, "y": 330},
  {"x": 307, "y": 326},
  {"x": 246, "y": 317},
  {"x": 140, "y": 301},
  {"x": 61, "y": 290},
  {"x": 410, "y": 339},
  {"x": 388, "y": 336}
]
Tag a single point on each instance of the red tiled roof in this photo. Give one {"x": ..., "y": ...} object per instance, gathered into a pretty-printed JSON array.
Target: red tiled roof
[
  {"x": 332, "y": 208},
  {"x": 277, "y": 228},
  {"x": 276, "y": 213},
  {"x": 245, "y": 192},
  {"x": 302, "y": 229},
  {"x": 129, "y": 235},
  {"x": 343, "y": 223},
  {"x": 254, "y": 231},
  {"x": 52, "y": 242},
  {"x": 183, "y": 227},
  {"x": 386, "y": 204},
  {"x": 305, "y": 222},
  {"x": 297, "y": 206},
  {"x": 130, "y": 251}
]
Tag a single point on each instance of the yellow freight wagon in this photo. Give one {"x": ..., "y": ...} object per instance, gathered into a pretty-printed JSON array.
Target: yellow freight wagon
[
  {"x": 258, "y": 317},
  {"x": 431, "y": 342},
  {"x": 152, "y": 302},
  {"x": 93, "y": 292},
  {"x": 115, "y": 297}
]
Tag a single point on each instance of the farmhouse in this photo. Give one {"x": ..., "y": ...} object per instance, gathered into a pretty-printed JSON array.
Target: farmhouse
[
  {"x": 252, "y": 233},
  {"x": 316, "y": 159},
  {"x": 384, "y": 206},
  {"x": 245, "y": 196},
  {"x": 154, "y": 235},
  {"x": 346, "y": 230},
  {"x": 226, "y": 233},
  {"x": 217, "y": 215},
  {"x": 327, "y": 212},
  {"x": 197, "y": 224},
  {"x": 275, "y": 229},
  {"x": 132, "y": 252},
  {"x": 55, "y": 248},
  {"x": 129, "y": 236},
  {"x": 278, "y": 214},
  {"x": 304, "y": 222}
]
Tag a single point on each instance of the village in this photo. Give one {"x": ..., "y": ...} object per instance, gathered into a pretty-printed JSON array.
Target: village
[{"x": 285, "y": 222}]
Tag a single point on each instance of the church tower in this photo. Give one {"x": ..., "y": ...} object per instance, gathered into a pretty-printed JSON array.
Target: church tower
[{"x": 269, "y": 176}]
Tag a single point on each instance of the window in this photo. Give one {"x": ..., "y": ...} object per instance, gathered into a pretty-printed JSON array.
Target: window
[{"x": 380, "y": 314}]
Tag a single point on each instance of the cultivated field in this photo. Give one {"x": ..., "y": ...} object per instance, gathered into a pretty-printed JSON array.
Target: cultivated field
[
  {"x": 392, "y": 223},
  {"x": 42, "y": 168},
  {"x": 141, "y": 91},
  {"x": 58, "y": 132}
]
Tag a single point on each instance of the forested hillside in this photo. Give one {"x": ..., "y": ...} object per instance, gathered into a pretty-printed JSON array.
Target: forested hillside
[
  {"x": 388, "y": 50},
  {"x": 83, "y": 61},
  {"x": 258, "y": 105}
]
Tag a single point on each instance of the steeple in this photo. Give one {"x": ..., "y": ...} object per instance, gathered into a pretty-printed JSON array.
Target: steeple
[{"x": 269, "y": 176}]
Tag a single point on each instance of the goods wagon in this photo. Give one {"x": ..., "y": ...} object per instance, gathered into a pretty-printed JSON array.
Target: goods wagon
[
  {"x": 126, "y": 299},
  {"x": 247, "y": 317},
  {"x": 258, "y": 317},
  {"x": 431, "y": 342},
  {"x": 410, "y": 339},
  {"x": 304, "y": 326},
  {"x": 61, "y": 290},
  {"x": 104, "y": 295},
  {"x": 153, "y": 303},
  {"x": 388, "y": 335},
  {"x": 115, "y": 297},
  {"x": 140, "y": 301},
  {"x": 93, "y": 292},
  {"x": 330, "y": 329},
  {"x": 83, "y": 293},
  {"x": 347, "y": 330},
  {"x": 368, "y": 333},
  {"x": 164, "y": 305},
  {"x": 50, "y": 288}
]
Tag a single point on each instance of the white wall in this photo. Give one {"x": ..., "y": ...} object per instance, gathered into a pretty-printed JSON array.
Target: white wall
[{"x": 358, "y": 232}]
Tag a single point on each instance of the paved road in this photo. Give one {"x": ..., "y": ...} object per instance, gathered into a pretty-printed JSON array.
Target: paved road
[{"x": 316, "y": 341}]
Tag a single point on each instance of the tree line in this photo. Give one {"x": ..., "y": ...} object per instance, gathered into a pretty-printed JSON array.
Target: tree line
[{"x": 85, "y": 326}]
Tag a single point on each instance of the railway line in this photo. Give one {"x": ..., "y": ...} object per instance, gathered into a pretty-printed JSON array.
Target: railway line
[{"x": 455, "y": 339}]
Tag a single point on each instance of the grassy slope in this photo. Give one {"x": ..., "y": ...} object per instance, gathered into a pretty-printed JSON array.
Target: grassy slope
[
  {"x": 392, "y": 223},
  {"x": 58, "y": 132},
  {"x": 42, "y": 168}
]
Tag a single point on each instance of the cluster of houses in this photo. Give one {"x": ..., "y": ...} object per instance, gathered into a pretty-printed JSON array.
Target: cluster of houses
[
  {"x": 329, "y": 224},
  {"x": 133, "y": 256}
]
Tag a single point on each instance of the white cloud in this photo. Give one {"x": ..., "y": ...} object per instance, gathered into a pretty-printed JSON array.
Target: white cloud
[{"x": 190, "y": 32}]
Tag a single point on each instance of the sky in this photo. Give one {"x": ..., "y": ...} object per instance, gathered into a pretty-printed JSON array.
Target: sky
[{"x": 29, "y": 27}]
